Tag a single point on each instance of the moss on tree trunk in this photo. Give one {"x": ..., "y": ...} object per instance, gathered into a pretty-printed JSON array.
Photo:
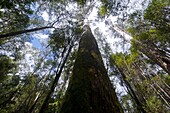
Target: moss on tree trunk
[{"x": 90, "y": 90}]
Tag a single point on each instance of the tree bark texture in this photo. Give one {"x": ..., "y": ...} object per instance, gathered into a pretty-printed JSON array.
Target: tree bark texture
[{"x": 90, "y": 90}]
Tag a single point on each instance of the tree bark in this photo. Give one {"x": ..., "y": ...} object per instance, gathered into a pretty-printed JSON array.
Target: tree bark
[
  {"x": 2, "y": 36},
  {"x": 156, "y": 55},
  {"x": 90, "y": 90}
]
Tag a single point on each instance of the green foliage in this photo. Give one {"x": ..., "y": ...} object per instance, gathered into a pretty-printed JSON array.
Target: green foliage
[
  {"x": 153, "y": 105},
  {"x": 128, "y": 104},
  {"x": 167, "y": 80},
  {"x": 78, "y": 30},
  {"x": 81, "y": 2},
  {"x": 103, "y": 10},
  {"x": 157, "y": 13},
  {"x": 59, "y": 38},
  {"x": 11, "y": 4},
  {"x": 127, "y": 59},
  {"x": 6, "y": 66},
  {"x": 14, "y": 14},
  {"x": 150, "y": 30},
  {"x": 8, "y": 90},
  {"x": 157, "y": 10},
  {"x": 131, "y": 65},
  {"x": 153, "y": 24}
]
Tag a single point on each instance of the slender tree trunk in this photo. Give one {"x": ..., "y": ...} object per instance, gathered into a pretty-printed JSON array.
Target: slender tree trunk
[
  {"x": 157, "y": 56},
  {"x": 90, "y": 90},
  {"x": 44, "y": 107},
  {"x": 2, "y": 36},
  {"x": 34, "y": 103},
  {"x": 131, "y": 91}
]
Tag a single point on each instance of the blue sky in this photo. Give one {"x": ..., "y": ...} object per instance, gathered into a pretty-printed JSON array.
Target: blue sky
[{"x": 36, "y": 43}]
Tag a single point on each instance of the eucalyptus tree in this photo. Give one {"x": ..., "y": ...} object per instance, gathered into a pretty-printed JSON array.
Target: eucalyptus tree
[{"x": 89, "y": 88}]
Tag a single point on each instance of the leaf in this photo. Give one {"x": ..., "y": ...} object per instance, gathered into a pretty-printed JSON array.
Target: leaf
[{"x": 102, "y": 10}]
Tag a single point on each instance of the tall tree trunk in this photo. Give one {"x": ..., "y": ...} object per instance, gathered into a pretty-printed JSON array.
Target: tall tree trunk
[
  {"x": 90, "y": 90},
  {"x": 2, "y": 36}
]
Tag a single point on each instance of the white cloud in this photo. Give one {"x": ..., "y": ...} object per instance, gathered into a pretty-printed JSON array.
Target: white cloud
[
  {"x": 45, "y": 16},
  {"x": 41, "y": 36},
  {"x": 28, "y": 44}
]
